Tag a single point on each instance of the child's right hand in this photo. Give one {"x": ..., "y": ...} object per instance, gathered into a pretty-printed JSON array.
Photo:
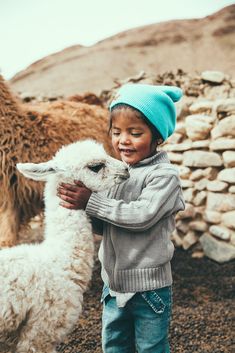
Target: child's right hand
[{"x": 74, "y": 196}]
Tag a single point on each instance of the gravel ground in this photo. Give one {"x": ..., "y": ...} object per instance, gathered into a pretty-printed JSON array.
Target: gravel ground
[{"x": 203, "y": 309}]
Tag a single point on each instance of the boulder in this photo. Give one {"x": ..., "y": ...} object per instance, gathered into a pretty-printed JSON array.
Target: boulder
[
  {"x": 222, "y": 144},
  {"x": 180, "y": 128},
  {"x": 198, "y": 126},
  {"x": 225, "y": 127},
  {"x": 197, "y": 174},
  {"x": 202, "y": 159},
  {"x": 226, "y": 106},
  {"x": 217, "y": 250},
  {"x": 201, "y": 184},
  {"x": 189, "y": 211},
  {"x": 175, "y": 157},
  {"x": 199, "y": 226},
  {"x": 199, "y": 210},
  {"x": 210, "y": 173},
  {"x": 184, "y": 146},
  {"x": 212, "y": 216},
  {"x": 200, "y": 144},
  {"x": 228, "y": 219},
  {"x": 200, "y": 198},
  {"x": 189, "y": 194},
  {"x": 184, "y": 172},
  {"x": 220, "y": 232},
  {"x": 227, "y": 175},
  {"x": 185, "y": 183},
  {"x": 175, "y": 138},
  {"x": 229, "y": 159},
  {"x": 216, "y": 91},
  {"x": 220, "y": 202},
  {"x": 232, "y": 189},
  {"x": 182, "y": 107},
  {"x": 201, "y": 106},
  {"x": 216, "y": 185},
  {"x": 213, "y": 76},
  {"x": 198, "y": 254},
  {"x": 232, "y": 239},
  {"x": 182, "y": 226},
  {"x": 189, "y": 239}
]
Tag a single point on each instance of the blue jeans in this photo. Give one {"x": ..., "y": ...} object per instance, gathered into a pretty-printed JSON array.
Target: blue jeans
[{"x": 141, "y": 326}]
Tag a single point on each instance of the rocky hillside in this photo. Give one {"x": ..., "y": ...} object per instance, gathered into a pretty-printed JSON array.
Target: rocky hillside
[{"x": 194, "y": 45}]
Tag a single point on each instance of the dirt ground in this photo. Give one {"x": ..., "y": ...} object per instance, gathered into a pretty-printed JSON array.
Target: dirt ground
[{"x": 203, "y": 310}]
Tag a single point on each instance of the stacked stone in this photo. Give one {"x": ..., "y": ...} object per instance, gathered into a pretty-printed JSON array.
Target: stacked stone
[{"x": 203, "y": 149}]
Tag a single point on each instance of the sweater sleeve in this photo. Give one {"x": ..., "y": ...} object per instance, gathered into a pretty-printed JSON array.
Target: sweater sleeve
[{"x": 161, "y": 196}]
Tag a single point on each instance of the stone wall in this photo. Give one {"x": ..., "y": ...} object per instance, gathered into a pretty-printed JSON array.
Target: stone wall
[{"x": 203, "y": 149}]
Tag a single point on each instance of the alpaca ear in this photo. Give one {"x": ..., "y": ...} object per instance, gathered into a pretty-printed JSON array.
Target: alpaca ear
[{"x": 36, "y": 171}]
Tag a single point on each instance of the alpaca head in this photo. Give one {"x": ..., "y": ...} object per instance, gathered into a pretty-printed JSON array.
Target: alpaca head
[{"x": 85, "y": 160}]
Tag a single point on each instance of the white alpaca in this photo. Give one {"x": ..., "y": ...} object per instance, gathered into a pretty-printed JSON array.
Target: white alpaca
[{"x": 42, "y": 285}]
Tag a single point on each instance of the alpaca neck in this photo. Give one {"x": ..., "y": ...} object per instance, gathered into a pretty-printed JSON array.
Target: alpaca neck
[
  {"x": 68, "y": 238},
  {"x": 61, "y": 224}
]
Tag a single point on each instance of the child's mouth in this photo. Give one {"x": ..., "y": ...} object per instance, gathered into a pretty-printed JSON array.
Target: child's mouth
[{"x": 126, "y": 151}]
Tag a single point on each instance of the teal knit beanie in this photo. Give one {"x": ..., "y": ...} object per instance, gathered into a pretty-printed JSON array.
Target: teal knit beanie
[{"x": 156, "y": 103}]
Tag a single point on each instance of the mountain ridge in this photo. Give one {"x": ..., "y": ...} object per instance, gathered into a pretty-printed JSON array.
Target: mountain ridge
[{"x": 187, "y": 44}]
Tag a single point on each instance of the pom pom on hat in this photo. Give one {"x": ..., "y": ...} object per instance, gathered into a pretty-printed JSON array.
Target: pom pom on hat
[{"x": 156, "y": 103}]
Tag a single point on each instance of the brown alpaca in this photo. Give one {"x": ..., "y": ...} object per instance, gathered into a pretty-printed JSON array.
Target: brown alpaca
[{"x": 34, "y": 134}]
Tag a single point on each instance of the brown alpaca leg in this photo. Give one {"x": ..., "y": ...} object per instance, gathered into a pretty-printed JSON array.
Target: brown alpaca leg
[{"x": 9, "y": 227}]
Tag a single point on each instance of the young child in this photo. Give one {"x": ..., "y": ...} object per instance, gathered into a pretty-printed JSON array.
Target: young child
[{"x": 137, "y": 218}]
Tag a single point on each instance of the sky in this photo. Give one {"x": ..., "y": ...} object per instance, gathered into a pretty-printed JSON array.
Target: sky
[{"x": 33, "y": 29}]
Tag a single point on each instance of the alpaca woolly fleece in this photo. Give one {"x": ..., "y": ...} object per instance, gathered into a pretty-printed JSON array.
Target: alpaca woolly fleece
[
  {"x": 42, "y": 285},
  {"x": 34, "y": 132}
]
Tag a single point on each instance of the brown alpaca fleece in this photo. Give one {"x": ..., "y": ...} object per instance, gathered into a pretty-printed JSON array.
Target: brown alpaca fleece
[{"x": 33, "y": 133}]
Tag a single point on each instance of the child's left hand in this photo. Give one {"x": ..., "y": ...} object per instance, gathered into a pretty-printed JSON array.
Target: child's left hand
[{"x": 74, "y": 197}]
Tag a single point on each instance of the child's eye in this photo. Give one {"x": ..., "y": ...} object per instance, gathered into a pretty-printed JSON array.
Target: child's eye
[
  {"x": 116, "y": 133},
  {"x": 136, "y": 134}
]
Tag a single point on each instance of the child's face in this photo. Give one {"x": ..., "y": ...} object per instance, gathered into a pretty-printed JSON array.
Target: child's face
[{"x": 131, "y": 137}]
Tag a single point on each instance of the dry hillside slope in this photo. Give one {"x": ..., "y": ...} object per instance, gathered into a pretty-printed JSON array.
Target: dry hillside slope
[{"x": 193, "y": 45}]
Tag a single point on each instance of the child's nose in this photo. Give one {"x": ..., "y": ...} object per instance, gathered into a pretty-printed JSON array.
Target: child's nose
[{"x": 124, "y": 138}]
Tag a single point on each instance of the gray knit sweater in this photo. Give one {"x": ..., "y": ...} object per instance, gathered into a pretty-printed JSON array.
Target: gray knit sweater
[{"x": 139, "y": 218}]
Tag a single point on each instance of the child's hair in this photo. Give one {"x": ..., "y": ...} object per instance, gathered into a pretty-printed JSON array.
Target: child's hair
[{"x": 156, "y": 136}]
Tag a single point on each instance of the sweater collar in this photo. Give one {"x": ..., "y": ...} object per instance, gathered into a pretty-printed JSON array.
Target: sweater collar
[{"x": 159, "y": 157}]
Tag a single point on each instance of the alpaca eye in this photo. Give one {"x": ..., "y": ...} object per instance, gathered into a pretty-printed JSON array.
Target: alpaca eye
[{"x": 96, "y": 168}]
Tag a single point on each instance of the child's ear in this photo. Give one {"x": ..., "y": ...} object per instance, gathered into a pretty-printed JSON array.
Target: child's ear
[{"x": 36, "y": 171}]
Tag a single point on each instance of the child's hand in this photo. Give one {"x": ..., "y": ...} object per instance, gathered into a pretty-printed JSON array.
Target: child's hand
[{"x": 74, "y": 197}]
